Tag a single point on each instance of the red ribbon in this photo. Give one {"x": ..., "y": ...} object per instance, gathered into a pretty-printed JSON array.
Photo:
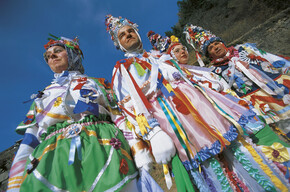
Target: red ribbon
[{"x": 81, "y": 81}]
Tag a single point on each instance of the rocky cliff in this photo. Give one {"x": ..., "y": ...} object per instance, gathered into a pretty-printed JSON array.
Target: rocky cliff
[{"x": 264, "y": 22}]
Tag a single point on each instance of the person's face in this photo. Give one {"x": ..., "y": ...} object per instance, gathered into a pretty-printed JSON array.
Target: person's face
[
  {"x": 181, "y": 54},
  {"x": 128, "y": 38},
  {"x": 217, "y": 50},
  {"x": 57, "y": 60}
]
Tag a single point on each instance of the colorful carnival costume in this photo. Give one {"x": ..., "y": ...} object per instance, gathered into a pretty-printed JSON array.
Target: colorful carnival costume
[
  {"x": 253, "y": 74},
  {"x": 231, "y": 160},
  {"x": 156, "y": 96},
  {"x": 70, "y": 140},
  {"x": 266, "y": 139}
]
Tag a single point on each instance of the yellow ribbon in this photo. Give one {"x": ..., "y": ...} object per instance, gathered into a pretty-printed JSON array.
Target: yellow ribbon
[
  {"x": 142, "y": 122},
  {"x": 129, "y": 125}
]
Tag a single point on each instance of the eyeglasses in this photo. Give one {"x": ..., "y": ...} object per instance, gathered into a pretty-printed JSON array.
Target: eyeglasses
[{"x": 177, "y": 50}]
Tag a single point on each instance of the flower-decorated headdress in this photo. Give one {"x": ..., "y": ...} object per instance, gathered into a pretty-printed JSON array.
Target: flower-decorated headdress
[
  {"x": 158, "y": 42},
  {"x": 114, "y": 24},
  {"x": 72, "y": 48},
  {"x": 199, "y": 37},
  {"x": 174, "y": 42}
]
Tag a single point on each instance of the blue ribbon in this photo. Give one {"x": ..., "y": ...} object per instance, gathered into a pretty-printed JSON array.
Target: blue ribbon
[
  {"x": 163, "y": 88},
  {"x": 90, "y": 106},
  {"x": 287, "y": 164},
  {"x": 279, "y": 63},
  {"x": 61, "y": 79},
  {"x": 82, "y": 107},
  {"x": 75, "y": 145}
]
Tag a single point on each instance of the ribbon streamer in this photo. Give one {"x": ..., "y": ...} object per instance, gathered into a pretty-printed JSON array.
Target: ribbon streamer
[
  {"x": 75, "y": 145},
  {"x": 167, "y": 176}
]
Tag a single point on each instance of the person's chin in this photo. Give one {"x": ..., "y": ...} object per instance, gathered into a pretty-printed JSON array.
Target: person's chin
[{"x": 134, "y": 46}]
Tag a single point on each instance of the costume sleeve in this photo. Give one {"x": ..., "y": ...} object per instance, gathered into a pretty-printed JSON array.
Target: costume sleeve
[
  {"x": 28, "y": 128},
  {"x": 133, "y": 105},
  {"x": 278, "y": 62},
  {"x": 139, "y": 147}
]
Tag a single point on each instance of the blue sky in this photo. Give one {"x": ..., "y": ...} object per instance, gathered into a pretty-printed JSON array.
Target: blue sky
[{"x": 24, "y": 28}]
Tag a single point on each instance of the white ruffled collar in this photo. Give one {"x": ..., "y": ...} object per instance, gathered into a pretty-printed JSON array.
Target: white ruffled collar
[{"x": 61, "y": 78}]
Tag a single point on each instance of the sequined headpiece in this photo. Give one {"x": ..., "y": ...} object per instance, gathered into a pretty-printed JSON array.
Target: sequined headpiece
[
  {"x": 72, "y": 48},
  {"x": 158, "y": 42},
  {"x": 199, "y": 38},
  {"x": 114, "y": 24}
]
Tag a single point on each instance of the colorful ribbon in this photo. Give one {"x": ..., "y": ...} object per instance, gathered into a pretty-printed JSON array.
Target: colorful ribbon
[
  {"x": 75, "y": 145},
  {"x": 167, "y": 176}
]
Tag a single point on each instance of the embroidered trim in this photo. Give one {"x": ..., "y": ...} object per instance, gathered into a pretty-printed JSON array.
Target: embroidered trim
[{"x": 83, "y": 124}]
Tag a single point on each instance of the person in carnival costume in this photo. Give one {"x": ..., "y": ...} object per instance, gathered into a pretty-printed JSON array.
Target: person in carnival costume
[
  {"x": 204, "y": 77},
  {"x": 179, "y": 57},
  {"x": 159, "y": 101},
  {"x": 70, "y": 140},
  {"x": 254, "y": 74}
]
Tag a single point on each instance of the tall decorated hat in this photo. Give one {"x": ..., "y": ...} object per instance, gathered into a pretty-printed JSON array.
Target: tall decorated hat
[
  {"x": 114, "y": 24},
  {"x": 158, "y": 42},
  {"x": 72, "y": 48},
  {"x": 199, "y": 38}
]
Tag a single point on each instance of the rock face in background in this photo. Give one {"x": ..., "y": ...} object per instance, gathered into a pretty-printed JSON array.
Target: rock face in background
[
  {"x": 272, "y": 35},
  {"x": 264, "y": 22},
  {"x": 6, "y": 158}
]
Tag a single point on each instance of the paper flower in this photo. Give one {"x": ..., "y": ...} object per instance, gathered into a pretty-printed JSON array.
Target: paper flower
[
  {"x": 176, "y": 75},
  {"x": 276, "y": 152},
  {"x": 57, "y": 102},
  {"x": 124, "y": 167},
  {"x": 116, "y": 143}
]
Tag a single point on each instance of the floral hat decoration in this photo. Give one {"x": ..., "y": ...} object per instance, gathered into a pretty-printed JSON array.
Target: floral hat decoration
[
  {"x": 72, "y": 48},
  {"x": 114, "y": 24},
  {"x": 158, "y": 42},
  {"x": 174, "y": 42},
  {"x": 199, "y": 37}
]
